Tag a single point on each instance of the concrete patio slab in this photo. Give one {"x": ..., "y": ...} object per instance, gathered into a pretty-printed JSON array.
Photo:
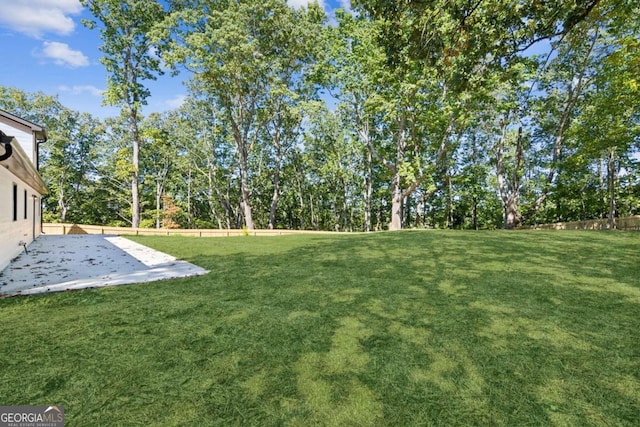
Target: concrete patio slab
[{"x": 60, "y": 263}]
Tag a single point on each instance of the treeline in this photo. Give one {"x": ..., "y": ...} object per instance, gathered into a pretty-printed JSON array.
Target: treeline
[{"x": 457, "y": 114}]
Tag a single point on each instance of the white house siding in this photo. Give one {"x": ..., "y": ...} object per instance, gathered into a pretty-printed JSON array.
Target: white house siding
[
  {"x": 24, "y": 137},
  {"x": 22, "y": 229},
  {"x": 20, "y": 216}
]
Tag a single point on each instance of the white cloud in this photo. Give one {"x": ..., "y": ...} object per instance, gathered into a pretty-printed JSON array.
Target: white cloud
[
  {"x": 62, "y": 54},
  {"x": 176, "y": 102},
  {"x": 297, "y": 4},
  {"x": 80, "y": 89},
  {"x": 346, "y": 5},
  {"x": 37, "y": 17}
]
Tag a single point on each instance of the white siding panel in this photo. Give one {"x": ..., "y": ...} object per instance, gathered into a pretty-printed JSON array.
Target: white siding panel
[{"x": 13, "y": 232}]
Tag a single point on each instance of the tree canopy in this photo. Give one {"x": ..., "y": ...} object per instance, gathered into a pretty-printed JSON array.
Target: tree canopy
[{"x": 458, "y": 114}]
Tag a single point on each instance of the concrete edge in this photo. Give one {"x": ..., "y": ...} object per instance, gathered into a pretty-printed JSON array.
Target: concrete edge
[{"x": 175, "y": 270}]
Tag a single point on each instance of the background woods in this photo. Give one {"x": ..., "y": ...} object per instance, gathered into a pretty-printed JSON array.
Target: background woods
[{"x": 458, "y": 114}]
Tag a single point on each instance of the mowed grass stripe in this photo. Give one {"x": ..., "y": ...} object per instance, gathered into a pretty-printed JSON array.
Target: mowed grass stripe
[{"x": 408, "y": 328}]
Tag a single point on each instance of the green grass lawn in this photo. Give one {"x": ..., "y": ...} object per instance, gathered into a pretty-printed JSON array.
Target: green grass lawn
[{"x": 408, "y": 328}]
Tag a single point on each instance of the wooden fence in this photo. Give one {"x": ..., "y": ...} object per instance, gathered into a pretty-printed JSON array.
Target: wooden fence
[
  {"x": 623, "y": 223},
  {"x": 55, "y": 228}
]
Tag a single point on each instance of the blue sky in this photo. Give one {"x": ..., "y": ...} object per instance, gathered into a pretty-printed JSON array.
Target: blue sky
[{"x": 46, "y": 48}]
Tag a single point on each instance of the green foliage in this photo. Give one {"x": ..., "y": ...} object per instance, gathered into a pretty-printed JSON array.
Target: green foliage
[
  {"x": 247, "y": 57},
  {"x": 148, "y": 223},
  {"x": 128, "y": 60},
  {"x": 69, "y": 159},
  {"x": 412, "y": 114}
]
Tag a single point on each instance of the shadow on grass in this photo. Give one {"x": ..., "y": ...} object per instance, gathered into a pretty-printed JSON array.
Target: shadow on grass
[
  {"x": 481, "y": 326},
  {"x": 412, "y": 328}
]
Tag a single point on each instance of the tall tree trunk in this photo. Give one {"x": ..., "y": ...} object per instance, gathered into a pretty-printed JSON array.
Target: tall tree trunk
[
  {"x": 303, "y": 222},
  {"x": 368, "y": 192},
  {"x": 135, "y": 190},
  {"x": 245, "y": 205},
  {"x": 509, "y": 189},
  {"x": 189, "y": 219},
  {"x": 406, "y": 210},
  {"x": 602, "y": 190},
  {"x": 274, "y": 200},
  {"x": 212, "y": 188},
  {"x": 611, "y": 172},
  {"x": 63, "y": 207},
  {"x": 61, "y": 201},
  {"x": 161, "y": 179},
  {"x": 215, "y": 214},
  {"x": 345, "y": 208},
  {"x": 449, "y": 201},
  {"x": 158, "y": 191},
  {"x": 363, "y": 132},
  {"x": 276, "y": 183},
  {"x": 397, "y": 196},
  {"x": 244, "y": 185},
  {"x": 336, "y": 214},
  {"x": 314, "y": 218},
  {"x": 474, "y": 212},
  {"x": 228, "y": 208},
  {"x": 511, "y": 214},
  {"x": 474, "y": 198},
  {"x": 135, "y": 168},
  {"x": 240, "y": 129},
  {"x": 396, "y": 203}
]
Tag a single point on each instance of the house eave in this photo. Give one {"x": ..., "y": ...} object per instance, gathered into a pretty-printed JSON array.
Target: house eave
[
  {"x": 20, "y": 165},
  {"x": 39, "y": 131}
]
